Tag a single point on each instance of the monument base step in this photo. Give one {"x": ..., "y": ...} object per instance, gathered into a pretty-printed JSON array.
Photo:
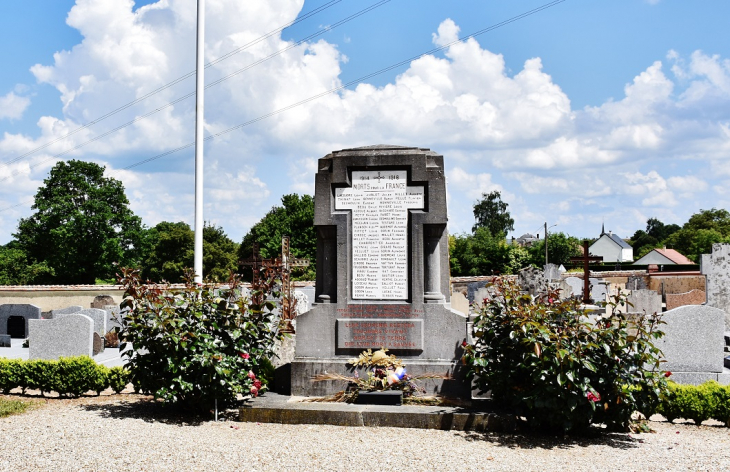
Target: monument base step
[
  {"x": 303, "y": 370},
  {"x": 272, "y": 408},
  {"x": 697, "y": 378}
]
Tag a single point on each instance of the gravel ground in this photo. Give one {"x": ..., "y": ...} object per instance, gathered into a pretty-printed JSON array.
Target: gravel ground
[{"x": 129, "y": 432}]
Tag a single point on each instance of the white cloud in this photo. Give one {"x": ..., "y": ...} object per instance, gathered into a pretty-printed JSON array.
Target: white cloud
[
  {"x": 12, "y": 106},
  {"x": 512, "y": 131}
]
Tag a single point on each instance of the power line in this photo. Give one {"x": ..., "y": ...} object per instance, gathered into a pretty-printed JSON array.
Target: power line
[
  {"x": 336, "y": 89},
  {"x": 357, "y": 81},
  {"x": 174, "y": 82},
  {"x": 191, "y": 94}
]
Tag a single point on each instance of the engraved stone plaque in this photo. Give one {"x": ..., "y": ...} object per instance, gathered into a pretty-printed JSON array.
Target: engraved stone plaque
[
  {"x": 388, "y": 333},
  {"x": 379, "y": 201}
]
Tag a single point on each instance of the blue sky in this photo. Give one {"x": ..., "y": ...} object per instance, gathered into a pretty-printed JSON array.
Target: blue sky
[{"x": 587, "y": 111}]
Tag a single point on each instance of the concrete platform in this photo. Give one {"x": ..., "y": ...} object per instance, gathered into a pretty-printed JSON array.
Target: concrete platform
[{"x": 274, "y": 408}]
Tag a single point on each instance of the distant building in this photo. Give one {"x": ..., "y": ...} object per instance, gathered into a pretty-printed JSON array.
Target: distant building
[
  {"x": 663, "y": 257},
  {"x": 612, "y": 248},
  {"x": 526, "y": 240}
]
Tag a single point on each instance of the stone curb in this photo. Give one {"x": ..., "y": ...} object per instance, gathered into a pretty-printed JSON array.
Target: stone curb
[{"x": 281, "y": 409}]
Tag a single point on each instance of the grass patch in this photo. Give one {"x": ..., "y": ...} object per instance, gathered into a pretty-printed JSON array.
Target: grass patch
[{"x": 12, "y": 407}]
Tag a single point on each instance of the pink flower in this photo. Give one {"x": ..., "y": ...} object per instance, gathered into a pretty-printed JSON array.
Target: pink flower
[
  {"x": 251, "y": 375},
  {"x": 593, "y": 397},
  {"x": 667, "y": 374},
  {"x": 254, "y": 391},
  {"x": 245, "y": 355},
  {"x": 257, "y": 383}
]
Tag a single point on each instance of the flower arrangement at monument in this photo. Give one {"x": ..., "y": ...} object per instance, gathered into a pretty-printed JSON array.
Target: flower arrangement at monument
[{"x": 383, "y": 372}]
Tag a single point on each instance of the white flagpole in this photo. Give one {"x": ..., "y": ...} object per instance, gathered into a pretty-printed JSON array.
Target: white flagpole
[{"x": 199, "y": 95}]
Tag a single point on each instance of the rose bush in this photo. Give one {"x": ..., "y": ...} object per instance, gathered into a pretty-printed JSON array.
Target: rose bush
[
  {"x": 543, "y": 359},
  {"x": 199, "y": 344}
]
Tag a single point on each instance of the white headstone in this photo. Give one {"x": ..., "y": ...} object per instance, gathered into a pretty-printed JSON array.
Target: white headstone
[{"x": 68, "y": 335}]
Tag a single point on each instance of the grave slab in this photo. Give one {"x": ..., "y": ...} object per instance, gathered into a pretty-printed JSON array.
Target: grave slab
[
  {"x": 716, "y": 267},
  {"x": 68, "y": 335}
]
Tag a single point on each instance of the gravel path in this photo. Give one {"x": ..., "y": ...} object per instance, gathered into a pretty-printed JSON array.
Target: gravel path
[{"x": 127, "y": 432}]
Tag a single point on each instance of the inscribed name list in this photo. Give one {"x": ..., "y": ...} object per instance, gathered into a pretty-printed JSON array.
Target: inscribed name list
[{"x": 379, "y": 201}]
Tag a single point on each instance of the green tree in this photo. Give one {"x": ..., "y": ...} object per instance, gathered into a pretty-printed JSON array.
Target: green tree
[
  {"x": 658, "y": 230},
  {"x": 482, "y": 253},
  {"x": 17, "y": 269},
  {"x": 491, "y": 212},
  {"x": 219, "y": 254},
  {"x": 82, "y": 226},
  {"x": 561, "y": 248},
  {"x": 172, "y": 249},
  {"x": 295, "y": 219}
]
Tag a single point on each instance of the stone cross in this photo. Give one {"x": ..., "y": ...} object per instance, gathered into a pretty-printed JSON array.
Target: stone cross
[{"x": 379, "y": 202}]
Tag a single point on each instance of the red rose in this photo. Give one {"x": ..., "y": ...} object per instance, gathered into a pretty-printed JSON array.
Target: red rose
[
  {"x": 251, "y": 375},
  {"x": 463, "y": 344},
  {"x": 245, "y": 355},
  {"x": 257, "y": 383},
  {"x": 593, "y": 397},
  {"x": 254, "y": 391},
  {"x": 667, "y": 374}
]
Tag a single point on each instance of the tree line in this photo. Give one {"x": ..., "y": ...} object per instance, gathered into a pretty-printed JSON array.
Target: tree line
[{"x": 82, "y": 231}]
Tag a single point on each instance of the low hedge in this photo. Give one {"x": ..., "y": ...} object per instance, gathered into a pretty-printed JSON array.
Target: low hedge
[
  {"x": 68, "y": 376},
  {"x": 696, "y": 402}
]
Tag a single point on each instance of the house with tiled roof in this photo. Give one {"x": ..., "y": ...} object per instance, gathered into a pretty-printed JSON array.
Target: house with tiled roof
[
  {"x": 663, "y": 256},
  {"x": 612, "y": 248}
]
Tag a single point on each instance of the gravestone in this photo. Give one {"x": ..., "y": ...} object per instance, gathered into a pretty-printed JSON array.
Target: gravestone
[
  {"x": 97, "y": 344},
  {"x": 66, "y": 311},
  {"x": 68, "y": 335},
  {"x": 532, "y": 280},
  {"x": 460, "y": 303},
  {"x": 552, "y": 272},
  {"x": 693, "y": 297},
  {"x": 636, "y": 282},
  {"x": 113, "y": 317},
  {"x": 5, "y": 340},
  {"x": 382, "y": 269},
  {"x": 716, "y": 268},
  {"x": 693, "y": 344},
  {"x": 100, "y": 301},
  {"x": 598, "y": 288},
  {"x": 16, "y": 316},
  {"x": 98, "y": 316},
  {"x": 645, "y": 301}
]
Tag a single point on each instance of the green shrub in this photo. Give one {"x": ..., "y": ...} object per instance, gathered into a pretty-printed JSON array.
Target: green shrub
[
  {"x": 696, "y": 402},
  {"x": 721, "y": 396},
  {"x": 40, "y": 374},
  {"x": 118, "y": 379},
  {"x": 542, "y": 359},
  {"x": 199, "y": 344},
  {"x": 10, "y": 374}
]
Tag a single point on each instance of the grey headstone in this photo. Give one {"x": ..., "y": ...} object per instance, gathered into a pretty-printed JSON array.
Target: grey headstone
[
  {"x": 645, "y": 301},
  {"x": 636, "y": 282},
  {"x": 302, "y": 299},
  {"x": 716, "y": 267},
  {"x": 113, "y": 317},
  {"x": 598, "y": 290},
  {"x": 98, "y": 316},
  {"x": 4, "y": 340},
  {"x": 66, "y": 311},
  {"x": 98, "y": 344},
  {"x": 69, "y": 335},
  {"x": 382, "y": 268},
  {"x": 532, "y": 281},
  {"x": 100, "y": 301},
  {"x": 472, "y": 288},
  {"x": 26, "y": 311},
  {"x": 576, "y": 285},
  {"x": 552, "y": 272},
  {"x": 693, "y": 339}
]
